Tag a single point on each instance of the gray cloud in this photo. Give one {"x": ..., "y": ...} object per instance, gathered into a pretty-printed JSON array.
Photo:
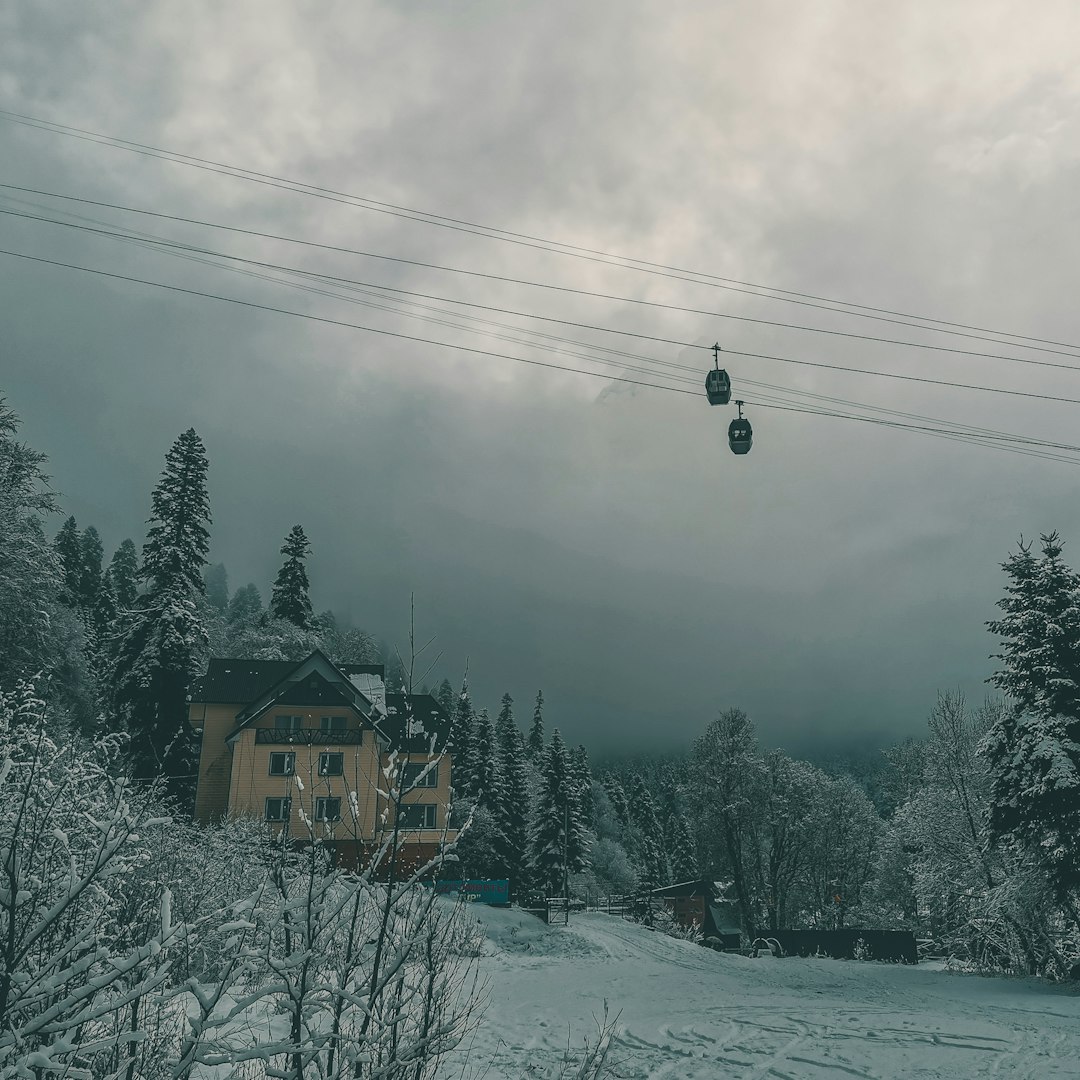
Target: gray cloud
[{"x": 598, "y": 541}]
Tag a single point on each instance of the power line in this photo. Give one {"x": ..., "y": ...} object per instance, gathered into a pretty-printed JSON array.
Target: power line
[
  {"x": 804, "y": 299},
  {"x": 503, "y": 356},
  {"x": 506, "y": 279}
]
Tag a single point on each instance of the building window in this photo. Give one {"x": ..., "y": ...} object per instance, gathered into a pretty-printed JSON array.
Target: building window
[
  {"x": 327, "y": 809},
  {"x": 282, "y": 764},
  {"x": 418, "y": 816},
  {"x": 331, "y": 764},
  {"x": 335, "y": 723},
  {"x": 288, "y": 723},
  {"x": 411, "y": 775},
  {"x": 278, "y": 809}
]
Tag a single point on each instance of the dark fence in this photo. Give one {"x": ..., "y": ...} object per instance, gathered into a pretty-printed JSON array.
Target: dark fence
[{"x": 895, "y": 945}]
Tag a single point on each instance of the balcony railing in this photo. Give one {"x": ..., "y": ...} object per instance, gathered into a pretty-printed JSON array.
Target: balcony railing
[{"x": 308, "y": 737}]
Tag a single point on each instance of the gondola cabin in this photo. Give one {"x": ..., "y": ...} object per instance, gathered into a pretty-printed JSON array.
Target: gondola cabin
[
  {"x": 740, "y": 435},
  {"x": 718, "y": 387}
]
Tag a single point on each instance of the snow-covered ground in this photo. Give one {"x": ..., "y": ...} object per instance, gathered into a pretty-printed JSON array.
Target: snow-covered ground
[{"x": 691, "y": 1013}]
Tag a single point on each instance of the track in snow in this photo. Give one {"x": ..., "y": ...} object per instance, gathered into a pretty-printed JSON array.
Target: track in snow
[{"x": 689, "y": 1013}]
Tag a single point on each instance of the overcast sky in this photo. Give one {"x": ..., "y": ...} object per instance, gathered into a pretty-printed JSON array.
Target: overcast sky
[{"x": 589, "y": 537}]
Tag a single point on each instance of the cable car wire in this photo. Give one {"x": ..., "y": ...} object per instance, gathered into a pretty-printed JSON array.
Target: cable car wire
[
  {"x": 506, "y": 279},
  {"x": 805, "y": 299},
  {"x": 137, "y": 237},
  {"x": 923, "y": 429},
  {"x": 733, "y": 352}
]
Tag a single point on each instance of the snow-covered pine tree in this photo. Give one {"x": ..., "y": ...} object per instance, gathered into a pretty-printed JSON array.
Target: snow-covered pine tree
[
  {"x": 1034, "y": 749},
  {"x": 460, "y": 744},
  {"x": 124, "y": 570},
  {"x": 557, "y": 847},
  {"x": 513, "y": 809},
  {"x": 161, "y": 648},
  {"x": 31, "y": 578},
  {"x": 535, "y": 745},
  {"x": 1040, "y": 632},
  {"x": 289, "y": 599},
  {"x": 68, "y": 547}
]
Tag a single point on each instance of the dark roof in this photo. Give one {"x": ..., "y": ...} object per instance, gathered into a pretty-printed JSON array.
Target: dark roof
[
  {"x": 237, "y": 680},
  {"x": 242, "y": 681},
  {"x": 431, "y": 723},
  {"x": 700, "y": 887}
]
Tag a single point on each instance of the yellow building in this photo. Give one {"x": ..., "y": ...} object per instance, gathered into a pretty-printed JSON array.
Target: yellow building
[{"x": 323, "y": 750}]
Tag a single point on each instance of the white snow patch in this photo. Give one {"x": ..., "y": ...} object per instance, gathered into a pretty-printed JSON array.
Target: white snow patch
[{"x": 688, "y": 1012}]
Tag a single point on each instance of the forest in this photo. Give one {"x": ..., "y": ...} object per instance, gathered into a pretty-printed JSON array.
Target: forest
[{"x": 133, "y": 942}]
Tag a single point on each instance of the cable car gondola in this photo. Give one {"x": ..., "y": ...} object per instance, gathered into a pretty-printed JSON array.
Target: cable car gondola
[
  {"x": 717, "y": 383},
  {"x": 740, "y": 434}
]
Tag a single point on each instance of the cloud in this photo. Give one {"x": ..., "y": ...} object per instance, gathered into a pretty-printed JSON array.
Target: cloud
[{"x": 562, "y": 531}]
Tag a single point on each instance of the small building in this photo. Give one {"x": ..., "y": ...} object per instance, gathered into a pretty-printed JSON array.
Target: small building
[
  {"x": 314, "y": 748},
  {"x": 700, "y": 904}
]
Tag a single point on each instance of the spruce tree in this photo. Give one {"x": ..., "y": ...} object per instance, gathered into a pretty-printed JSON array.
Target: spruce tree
[
  {"x": 68, "y": 547},
  {"x": 1034, "y": 748},
  {"x": 536, "y": 732},
  {"x": 460, "y": 746},
  {"x": 289, "y": 600},
  {"x": 163, "y": 643},
  {"x": 30, "y": 571},
  {"x": 513, "y": 808},
  {"x": 557, "y": 847},
  {"x": 124, "y": 571}
]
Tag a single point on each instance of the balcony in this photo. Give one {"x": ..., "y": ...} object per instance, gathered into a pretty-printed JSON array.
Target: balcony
[{"x": 308, "y": 737}]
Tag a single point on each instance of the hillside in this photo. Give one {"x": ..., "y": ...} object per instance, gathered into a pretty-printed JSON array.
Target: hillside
[{"x": 690, "y": 1013}]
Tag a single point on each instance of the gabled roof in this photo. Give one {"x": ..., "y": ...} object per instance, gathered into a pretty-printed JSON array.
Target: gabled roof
[
  {"x": 324, "y": 681},
  {"x": 238, "y": 681},
  {"x": 409, "y": 723}
]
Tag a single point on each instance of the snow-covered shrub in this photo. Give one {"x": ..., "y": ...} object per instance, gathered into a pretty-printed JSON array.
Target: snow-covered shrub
[{"x": 71, "y": 981}]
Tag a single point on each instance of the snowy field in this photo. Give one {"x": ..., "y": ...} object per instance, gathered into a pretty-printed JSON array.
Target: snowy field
[{"x": 691, "y": 1013}]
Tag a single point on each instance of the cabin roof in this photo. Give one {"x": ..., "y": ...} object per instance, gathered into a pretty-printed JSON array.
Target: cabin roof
[{"x": 239, "y": 681}]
